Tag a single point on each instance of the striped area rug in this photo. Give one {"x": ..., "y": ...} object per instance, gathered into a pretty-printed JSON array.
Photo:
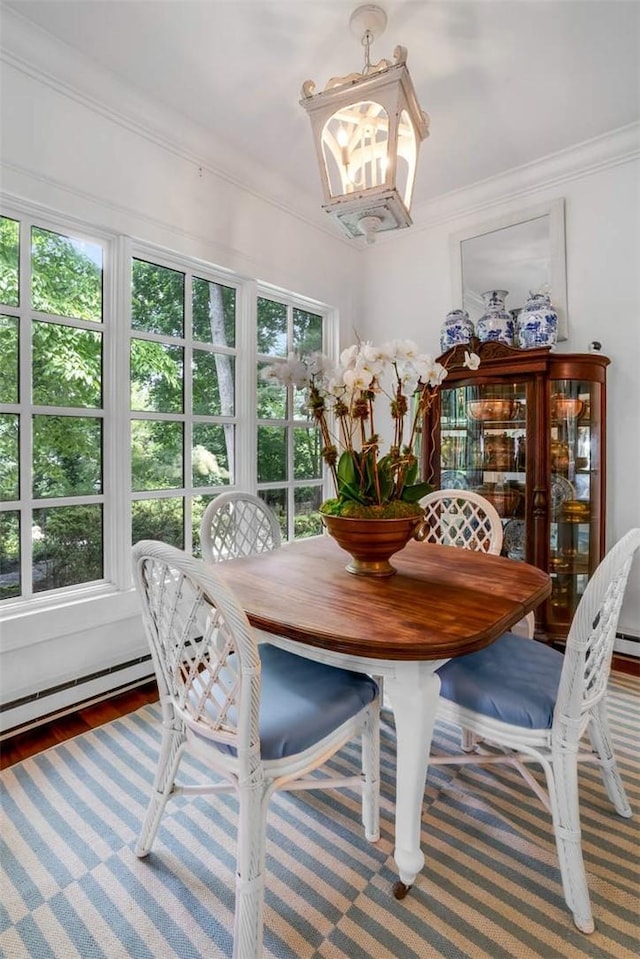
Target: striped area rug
[{"x": 72, "y": 887}]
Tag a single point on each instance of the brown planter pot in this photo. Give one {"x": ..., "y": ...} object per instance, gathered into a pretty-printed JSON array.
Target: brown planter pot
[{"x": 371, "y": 542}]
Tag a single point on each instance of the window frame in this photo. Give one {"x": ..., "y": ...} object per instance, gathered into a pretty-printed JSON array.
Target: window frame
[
  {"x": 28, "y": 217},
  {"x": 115, "y": 327}
]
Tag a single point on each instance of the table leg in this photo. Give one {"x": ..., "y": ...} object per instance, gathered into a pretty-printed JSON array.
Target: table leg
[{"x": 413, "y": 692}]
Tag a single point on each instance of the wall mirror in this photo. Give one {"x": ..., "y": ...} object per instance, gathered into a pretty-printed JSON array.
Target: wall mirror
[{"x": 521, "y": 252}]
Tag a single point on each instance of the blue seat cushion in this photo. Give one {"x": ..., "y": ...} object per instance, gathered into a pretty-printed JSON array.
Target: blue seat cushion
[
  {"x": 514, "y": 680},
  {"x": 303, "y": 701}
]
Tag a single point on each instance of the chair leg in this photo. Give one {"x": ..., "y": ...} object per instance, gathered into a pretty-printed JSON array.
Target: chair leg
[
  {"x": 171, "y": 750},
  {"x": 467, "y": 740},
  {"x": 600, "y": 737},
  {"x": 562, "y": 783},
  {"x": 253, "y": 801},
  {"x": 371, "y": 773}
]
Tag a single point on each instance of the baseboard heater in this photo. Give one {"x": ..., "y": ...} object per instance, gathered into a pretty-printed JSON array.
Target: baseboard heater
[
  {"x": 627, "y": 644},
  {"x": 33, "y": 710}
]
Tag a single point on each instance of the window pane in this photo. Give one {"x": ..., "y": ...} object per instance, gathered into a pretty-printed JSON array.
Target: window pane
[
  {"x": 157, "y": 299},
  {"x": 307, "y": 520},
  {"x": 272, "y": 328},
  {"x": 156, "y": 455},
  {"x": 161, "y": 519},
  {"x": 307, "y": 463},
  {"x": 9, "y": 555},
  {"x": 9, "y": 261},
  {"x": 213, "y": 383},
  {"x": 277, "y": 500},
  {"x": 272, "y": 454},
  {"x": 214, "y": 313},
  {"x": 67, "y": 546},
  {"x": 272, "y": 397},
  {"x": 198, "y": 506},
  {"x": 9, "y": 476},
  {"x": 301, "y": 404},
  {"x": 157, "y": 377},
  {"x": 67, "y": 456},
  {"x": 211, "y": 455},
  {"x": 307, "y": 332},
  {"x": 67, "y": 366},
  {"x": 66, "y": 275},
  {"x": 8, "y": 359}
]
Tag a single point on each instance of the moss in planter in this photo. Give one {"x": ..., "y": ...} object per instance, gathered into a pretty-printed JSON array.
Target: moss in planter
[{"x": 397, "y": 509}]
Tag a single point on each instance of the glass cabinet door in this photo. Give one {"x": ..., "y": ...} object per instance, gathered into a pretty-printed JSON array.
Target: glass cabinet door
[
  {"x": 483, "y": 447},
  {"x": 574, "y": 490}
]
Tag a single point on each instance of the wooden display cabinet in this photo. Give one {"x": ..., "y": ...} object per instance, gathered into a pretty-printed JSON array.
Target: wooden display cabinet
[{"x": 527, "y": 431}]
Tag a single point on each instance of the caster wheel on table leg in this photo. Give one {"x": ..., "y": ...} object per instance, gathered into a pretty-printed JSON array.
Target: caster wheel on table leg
[{"x": 400, "y": 890}]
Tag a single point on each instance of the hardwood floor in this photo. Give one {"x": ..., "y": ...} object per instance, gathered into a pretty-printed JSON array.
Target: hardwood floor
[{"x": 16, "y": 748}]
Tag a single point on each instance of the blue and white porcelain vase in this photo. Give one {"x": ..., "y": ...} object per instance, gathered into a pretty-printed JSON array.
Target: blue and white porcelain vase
[
  {"x": 537, "y": 323},
  {"x": 496, "y": 323},
  {"x": 457, "y": 328}
]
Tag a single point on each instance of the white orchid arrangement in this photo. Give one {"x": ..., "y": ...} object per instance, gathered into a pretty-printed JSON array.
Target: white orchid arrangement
[{"x": 342, "y": 398}]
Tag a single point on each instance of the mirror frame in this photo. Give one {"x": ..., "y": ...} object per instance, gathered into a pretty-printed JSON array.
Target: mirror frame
[{"x": 554, "y": 209}]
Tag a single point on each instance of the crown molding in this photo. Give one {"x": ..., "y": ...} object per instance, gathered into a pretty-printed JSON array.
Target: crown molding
[{"x": 520, "y": 183}]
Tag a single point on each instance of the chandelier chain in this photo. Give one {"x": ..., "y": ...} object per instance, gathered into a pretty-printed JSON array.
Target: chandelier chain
[{"x": 367, "y": 40}]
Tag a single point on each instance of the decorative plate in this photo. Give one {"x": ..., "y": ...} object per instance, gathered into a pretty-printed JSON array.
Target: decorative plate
[
  {"x": 561, "y": 490},
  {"x": 453, "y": 479},
  {"x": 513, "y": 543}
]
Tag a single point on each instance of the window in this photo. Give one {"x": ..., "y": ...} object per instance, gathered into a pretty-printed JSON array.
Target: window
[
  {"x": 121, "y": 425},
  {"x": 183, "y": 399},
  {"x": 289, "y": 464},
  {"x": 51, "y": 409}
]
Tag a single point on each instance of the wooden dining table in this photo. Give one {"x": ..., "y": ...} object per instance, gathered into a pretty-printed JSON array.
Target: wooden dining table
[{"x": 442, "y": 602}]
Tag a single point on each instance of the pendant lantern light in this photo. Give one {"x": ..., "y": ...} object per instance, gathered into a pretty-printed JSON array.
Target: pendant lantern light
[{"x": 368, "y": 128}]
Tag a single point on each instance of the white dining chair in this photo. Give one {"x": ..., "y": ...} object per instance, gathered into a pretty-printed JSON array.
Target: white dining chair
[
  {"x": 464, "y": 518},
  {"x": 259, "y": 718},
  {"x": 237, "y": 524},
  {"x": 536, "y": 704}
]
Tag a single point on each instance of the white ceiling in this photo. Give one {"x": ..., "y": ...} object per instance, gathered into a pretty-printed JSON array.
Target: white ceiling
[{"x": 505, "y": 83}]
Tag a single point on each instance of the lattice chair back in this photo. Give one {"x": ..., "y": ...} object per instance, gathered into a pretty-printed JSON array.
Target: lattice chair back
[
  {"x": 237, "y": 524},
  {"x": 461, "y": 518},
  {"x": 202, "y": 647},
  {"x": 589, "y": 648}
]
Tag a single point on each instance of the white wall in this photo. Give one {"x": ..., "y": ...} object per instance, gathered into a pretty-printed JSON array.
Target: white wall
[{"x": 408, "y": 289}]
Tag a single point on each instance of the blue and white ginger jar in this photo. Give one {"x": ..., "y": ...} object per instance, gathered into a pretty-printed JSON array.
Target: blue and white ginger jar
[
  {"x": 537, "y": 323},
  {"x": 496, "y": 323},
  {"x": 457, "y": 328}
]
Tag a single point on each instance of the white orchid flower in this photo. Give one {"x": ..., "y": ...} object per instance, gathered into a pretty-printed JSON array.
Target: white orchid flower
[
  {"x": 406, "y": 350},
  {"x": 359, "y": 378},
  {"x": 348, "y": 357},
  {"x": 409, "y": 381},
  {"x": 430, "y": 371},
  {"x": 471, "y": 360}
]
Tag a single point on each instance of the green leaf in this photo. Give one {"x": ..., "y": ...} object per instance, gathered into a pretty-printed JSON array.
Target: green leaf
[
  {"x": 347, "y": 472},
  {"x": 411, "y": 473},
  {"x": 411, "y": 494},
  {"x": 349, "y": 492}
]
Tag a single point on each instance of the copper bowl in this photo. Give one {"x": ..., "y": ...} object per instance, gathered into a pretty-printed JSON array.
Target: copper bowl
[
  {"x": 566, "y": 407},
  {"x": 506, "y": 499},
  {"x": 492, "y": 409}
]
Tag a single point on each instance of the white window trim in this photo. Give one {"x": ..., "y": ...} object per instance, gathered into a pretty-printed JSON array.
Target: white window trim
[{"x": 114, "y": 594}]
